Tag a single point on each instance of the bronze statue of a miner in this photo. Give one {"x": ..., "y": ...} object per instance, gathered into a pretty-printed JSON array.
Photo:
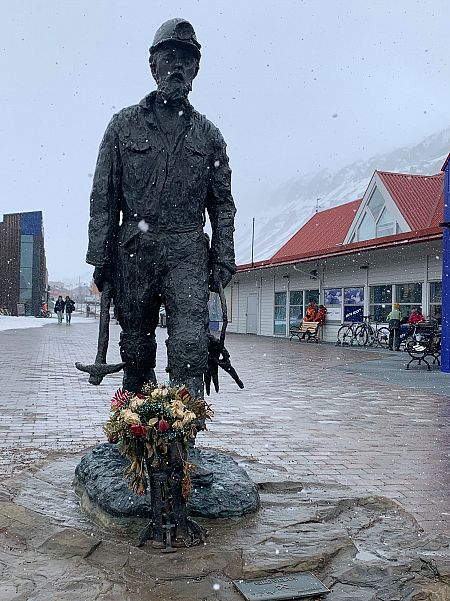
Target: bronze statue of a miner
[{"x": 161, "y": 165}]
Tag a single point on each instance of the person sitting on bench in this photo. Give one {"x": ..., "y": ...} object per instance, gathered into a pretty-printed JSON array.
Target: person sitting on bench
[{"x": 310, "y": 313}]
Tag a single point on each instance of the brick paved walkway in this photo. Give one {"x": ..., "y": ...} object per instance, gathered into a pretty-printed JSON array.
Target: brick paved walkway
[{"x": 300, "y": 414}]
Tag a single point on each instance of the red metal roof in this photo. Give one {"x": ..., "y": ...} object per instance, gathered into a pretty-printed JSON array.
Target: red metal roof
[
  {"x": 424, "y": 235},
  {"x": 324, "y": 230},
  {"x": 416, "y": 196},
  {"x": 420, "y": 199}
]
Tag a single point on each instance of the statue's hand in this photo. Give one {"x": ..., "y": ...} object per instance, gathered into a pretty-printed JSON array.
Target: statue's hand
[
  {"x": 219, "y": 274},
  {"x": 102, "y": 275}
]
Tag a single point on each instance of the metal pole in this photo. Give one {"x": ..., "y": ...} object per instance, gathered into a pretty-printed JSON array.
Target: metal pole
[
  {"x": 253, "y": 239},
  {"x": 445, "y": 343}
]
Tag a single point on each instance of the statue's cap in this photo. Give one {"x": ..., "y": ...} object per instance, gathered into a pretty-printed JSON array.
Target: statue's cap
[{"x": 179, "y": 31}]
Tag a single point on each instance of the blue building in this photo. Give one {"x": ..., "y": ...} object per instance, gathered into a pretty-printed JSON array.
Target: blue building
[{"x": 23, "y": 273}]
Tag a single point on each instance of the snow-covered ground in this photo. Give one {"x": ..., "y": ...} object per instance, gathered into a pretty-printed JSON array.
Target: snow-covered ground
[{"x": 19, "y": 323}]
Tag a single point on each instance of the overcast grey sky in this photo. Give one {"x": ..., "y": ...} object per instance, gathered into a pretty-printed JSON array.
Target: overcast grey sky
[{"x": 294, "y": 86}]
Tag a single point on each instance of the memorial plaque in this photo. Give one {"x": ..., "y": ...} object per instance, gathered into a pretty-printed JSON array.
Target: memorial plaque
[{"x": 299, "y": 585}]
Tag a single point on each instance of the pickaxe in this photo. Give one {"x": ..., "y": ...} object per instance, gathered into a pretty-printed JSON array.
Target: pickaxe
[
  {"x": 218, "y": 356},
  {"x": 98, "y": 370}
]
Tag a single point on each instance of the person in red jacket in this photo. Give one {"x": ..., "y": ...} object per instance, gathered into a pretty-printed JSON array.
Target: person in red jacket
[
  {"x": 320, "y": 317},
  {"x": 416, "y": 317},
  {"x": 310, "y": 314}
]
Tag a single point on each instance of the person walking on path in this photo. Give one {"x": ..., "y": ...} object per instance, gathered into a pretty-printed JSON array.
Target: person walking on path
[
  {"x": 59, "y": 308},
  {"x": 70, "y": 308},
  {"x": 394, "y": 318}
]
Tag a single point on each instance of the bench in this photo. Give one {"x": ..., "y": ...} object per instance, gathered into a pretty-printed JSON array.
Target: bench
[
  {"x": 424, "y": 346},
  {"x": 307, "y": 330}
]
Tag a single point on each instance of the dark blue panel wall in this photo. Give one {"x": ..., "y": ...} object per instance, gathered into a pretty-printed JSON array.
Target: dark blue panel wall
[{"x": 31, "y": 223}]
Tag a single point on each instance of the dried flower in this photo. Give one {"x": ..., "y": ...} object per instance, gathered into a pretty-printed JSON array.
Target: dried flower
[
  {"x": 129, "y": 417},
  {"x": 177, "y": 407},
  {"x": 136, "y": 402},
  {"x": 188, "y": 417}
]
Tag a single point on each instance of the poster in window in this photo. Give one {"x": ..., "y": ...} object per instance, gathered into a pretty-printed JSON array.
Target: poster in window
[
  {"x": 333, "y": 296},
  {"x": 334, "y": 313},
  {"x": 353, "y": 296},
  {"x": 353, "y": 313}
]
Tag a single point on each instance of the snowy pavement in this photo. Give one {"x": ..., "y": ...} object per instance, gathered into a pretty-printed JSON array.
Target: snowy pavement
[
  {"x": 9, "y": 322},
  {"x": 305, "y": 412}
]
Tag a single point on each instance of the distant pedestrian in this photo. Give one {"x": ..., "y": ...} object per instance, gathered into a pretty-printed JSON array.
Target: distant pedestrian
[
  {"x": 59, "y": 308},
  {"x": 394, "y": 318},
  {"x": 70, "y": 308},
  {"x": 88, "y": 310}
]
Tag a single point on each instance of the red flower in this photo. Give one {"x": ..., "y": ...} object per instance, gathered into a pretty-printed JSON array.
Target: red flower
[
  {"x": 138, "y": 430},
  {"x": 112, "y": 439},
  {"x": 140, "y": 395},
  {"x": 163, "y": 426}
]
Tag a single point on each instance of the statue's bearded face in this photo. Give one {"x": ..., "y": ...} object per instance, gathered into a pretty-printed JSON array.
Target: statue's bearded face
[{"x": 174, "y": 67}]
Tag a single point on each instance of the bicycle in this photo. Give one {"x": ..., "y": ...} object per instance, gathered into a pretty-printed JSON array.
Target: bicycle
[
  {"x": 346, "y": 334},
  {"x": 367, "y": 335}
]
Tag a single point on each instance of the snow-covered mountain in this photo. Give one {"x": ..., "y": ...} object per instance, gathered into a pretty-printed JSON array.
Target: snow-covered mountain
[{"x": 290, "y": 205}]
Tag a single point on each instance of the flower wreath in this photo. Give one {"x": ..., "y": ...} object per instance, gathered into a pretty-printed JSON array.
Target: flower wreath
[{"x": 146, "y": 424}]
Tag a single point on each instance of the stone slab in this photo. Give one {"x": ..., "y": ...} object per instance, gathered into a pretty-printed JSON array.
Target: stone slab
[{"x": 301, "y": 585}]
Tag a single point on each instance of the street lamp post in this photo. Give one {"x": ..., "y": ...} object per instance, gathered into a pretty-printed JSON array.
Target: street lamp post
[{"x": 445, "y": 344}]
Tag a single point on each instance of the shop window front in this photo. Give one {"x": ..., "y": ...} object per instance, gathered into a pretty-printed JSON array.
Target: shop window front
[
  {"x": 380, "y": 303},
  {"x": 295, "y": 307},
  {"x": 332, "y": 299},
  {"x": 354, "y": 304},
  {"x": 311, "y": 296},
  {"x": 279, "y": 321},
  {"x": 436, "y": 301},
  {"x": 409, "y": 296}
]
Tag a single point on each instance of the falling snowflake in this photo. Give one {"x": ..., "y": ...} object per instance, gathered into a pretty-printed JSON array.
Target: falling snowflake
[{"x": 143, "y": 225}]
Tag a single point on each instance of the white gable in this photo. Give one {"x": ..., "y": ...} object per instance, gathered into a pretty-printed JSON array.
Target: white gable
[{"x": 377, "y": 216}]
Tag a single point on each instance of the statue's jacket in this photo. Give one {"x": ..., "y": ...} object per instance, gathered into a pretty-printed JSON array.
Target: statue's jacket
[{"x": 142, "y": 176}]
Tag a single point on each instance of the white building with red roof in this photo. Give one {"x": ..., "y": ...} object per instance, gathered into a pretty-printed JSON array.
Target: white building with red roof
[{"x": 357, "y": 259}]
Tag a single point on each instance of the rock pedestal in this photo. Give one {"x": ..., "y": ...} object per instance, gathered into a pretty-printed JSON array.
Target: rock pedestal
[{"x": 105, "y": 496}]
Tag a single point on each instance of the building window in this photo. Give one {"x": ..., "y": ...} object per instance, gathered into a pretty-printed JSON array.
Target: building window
[
  {"x": 295, "y": 307},
  {"x": 26, "y": 251},
  {"x": 376, "y": 221},
  {"x": 214, "y": 307},
  {"x": 311, "y": 296},
  {"x": 436, "y": 301},
  {"x": 332, "y": 299},
  {"x": 380, "y": 302},
  {"x": 26, "y": 274},
  {"x": 354, "y": 304},
  {"x": 229, "y": 300},
  {"x": 409, "y": 296},
  {"x": 366, "y": 230},
  {"x": 376, "y": 203},
  {"x": 279, "y": 322},
  {"x": 385, "y": 224}
]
